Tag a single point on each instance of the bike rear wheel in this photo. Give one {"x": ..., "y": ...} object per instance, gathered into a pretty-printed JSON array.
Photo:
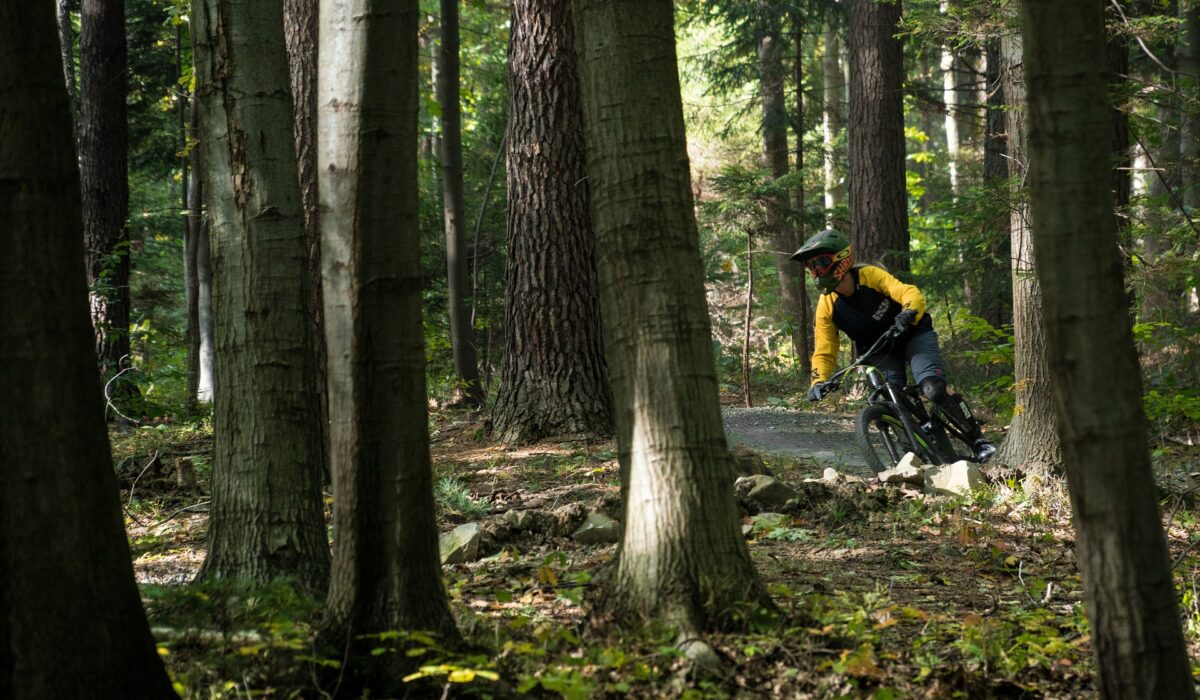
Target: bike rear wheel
[{"x": 882, "y": 439}]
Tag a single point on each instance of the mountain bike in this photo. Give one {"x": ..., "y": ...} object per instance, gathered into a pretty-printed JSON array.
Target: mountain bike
[{"x": 896, "y": 419}]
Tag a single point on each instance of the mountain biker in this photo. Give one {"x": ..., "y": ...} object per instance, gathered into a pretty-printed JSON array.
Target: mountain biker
[{"x": 864, "y": 301}]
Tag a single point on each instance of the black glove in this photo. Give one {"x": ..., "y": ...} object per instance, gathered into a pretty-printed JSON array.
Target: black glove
[
  {"x": 904, "y": 319},
  {"x": 816, "y": 392}
]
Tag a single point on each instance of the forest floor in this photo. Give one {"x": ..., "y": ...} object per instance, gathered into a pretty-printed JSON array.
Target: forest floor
[{"x": 884, "y": 593}]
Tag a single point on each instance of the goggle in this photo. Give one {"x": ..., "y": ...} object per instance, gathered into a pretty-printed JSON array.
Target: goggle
[{"x": 820, "y": 265}]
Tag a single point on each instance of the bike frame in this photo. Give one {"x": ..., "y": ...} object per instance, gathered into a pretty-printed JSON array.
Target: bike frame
[{"x": 907, "y": 409}]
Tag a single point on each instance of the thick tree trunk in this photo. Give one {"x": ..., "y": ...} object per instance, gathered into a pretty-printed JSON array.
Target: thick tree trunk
[
  {"x": 990, "y": 296},
  {"x": 772, "y": 81},
  {"x": 554, "y": 380},
  {"x": 266, "y": 519},
  {"x": 458, "y": 272},
  {"x": 878, "y": 195},
  {"x": 1032, "y": 441},
  {"x": 1124, "y": 563},
  {"x": 831, "y": 125},
  {"x": 387, "y": 575},
  {"x": 71, "y": 622},
  {"x": 682, "y": 558},
  {"x": 804, "y": 351},
  {"x": 103, "y": 139},
  {"x": 300, "y": 37}
]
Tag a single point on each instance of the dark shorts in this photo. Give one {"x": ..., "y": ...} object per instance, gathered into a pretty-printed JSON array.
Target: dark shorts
[{"x": 921, "y": 352}]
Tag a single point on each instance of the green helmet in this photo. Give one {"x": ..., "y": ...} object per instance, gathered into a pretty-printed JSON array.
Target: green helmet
[{"x": 827, "y": 256}]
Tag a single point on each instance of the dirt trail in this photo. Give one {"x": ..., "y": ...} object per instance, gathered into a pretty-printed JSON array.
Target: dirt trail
[{"x": 827, "y": 437}]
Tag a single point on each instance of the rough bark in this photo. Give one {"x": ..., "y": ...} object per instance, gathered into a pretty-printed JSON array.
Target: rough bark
[
  {"x": 772, "y": 81},
  {"x": 681, "y": 559},
  {"x": 804, "y": 351},
  {"x": 458, "y": 272},
  {"x": 1032, "y": 441},
  {"x": 554, "y": 380},
  {"x": 831, "y": 125},
  {"x": 1122, "y": 551},
  {"x": 300, "y": 37},
  {"x": 387, "y": 575},
  {"x": 103, "y": 140},
  {"x": 71, "y": 621},
  {"x": 990, "y": 297},
  {"x": 266, "y": 519},
  {"x": 878, "y": 195}
]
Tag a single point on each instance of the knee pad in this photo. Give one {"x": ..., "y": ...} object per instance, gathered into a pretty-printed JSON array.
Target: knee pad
[{"x": 934, "y": 388}]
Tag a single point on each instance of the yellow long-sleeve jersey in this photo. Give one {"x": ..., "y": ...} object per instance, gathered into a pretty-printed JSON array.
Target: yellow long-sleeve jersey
[{"x": 863, "y": 316}]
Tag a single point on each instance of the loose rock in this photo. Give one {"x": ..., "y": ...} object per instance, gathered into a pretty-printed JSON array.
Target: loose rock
[
  {"x": 461, "y": 544},
  {"x": 958, "y": 479},
  {"x": 772, "y": 492},
  {"x": 598, "y": 528}
]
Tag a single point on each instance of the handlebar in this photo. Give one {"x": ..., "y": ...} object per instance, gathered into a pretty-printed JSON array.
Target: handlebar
[{"x": 832, "y": 384}]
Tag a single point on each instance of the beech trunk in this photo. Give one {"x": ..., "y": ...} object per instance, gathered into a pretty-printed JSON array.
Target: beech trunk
[
  {"x": 266, "y": 519},
  {"x": 387, "y": 576},
  {"x": 682, "y": 558}
]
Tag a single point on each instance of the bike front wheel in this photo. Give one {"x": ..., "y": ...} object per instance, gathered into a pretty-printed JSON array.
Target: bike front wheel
[{"x": 882, "y": 439}]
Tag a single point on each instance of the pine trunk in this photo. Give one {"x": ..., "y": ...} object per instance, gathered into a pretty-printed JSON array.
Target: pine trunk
[
  {"x": 1032, "y": 441},
  {"x": 878, "y": 190},
  {"x": 682, "y": 558},
  {"x": 1123, "y": 558},
  {"x": 266, "y": 519},
  {"x": 387, "y": 575},
  {"x": 951, "y": 77},
  {"x": 775, "y": 156},
  {"x": 71, "y": 621},
  {"x": 103, "y": 140},
  {"x": 458, "y": 271},
  {"x": 990, "y": 297},
  {"x": 554, "y": 380},
  {"x": 804, "y": 351}
]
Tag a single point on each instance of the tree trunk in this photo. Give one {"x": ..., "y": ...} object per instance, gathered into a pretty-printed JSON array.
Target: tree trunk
[
  {"x": 747, "y": 394},
  {"x": 103, "y": 139},
  {"x": 266, "y": 519},
  {"x": 1032, "y": 441},
  {"x": 458, "y": 273},
  {"x": 554, "y": 380},
  {"x": 878, "y": 195},
  {"x": 951, "y": 77},
  {"x": 387, "y": 575},
  {"x": 300, "y": 38},
  {"x": 775, "y": 158},
  {"x": 1189, "y": 123},
  {"x": 71, "y": 621},
  {"x": 831, "y": 71},
  {"x": 66, "y": 38},
  {"x": 682, "y": 558},
  {"x": 804, "y": 352},
  {"x": 990, "y": 295},
  {"x": 1116, "y": 51},
  {"x": 1123, "y": 558}
]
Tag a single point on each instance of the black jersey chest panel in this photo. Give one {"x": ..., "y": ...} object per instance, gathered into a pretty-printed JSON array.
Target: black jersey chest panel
[{"x": 867, "y": 313}]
